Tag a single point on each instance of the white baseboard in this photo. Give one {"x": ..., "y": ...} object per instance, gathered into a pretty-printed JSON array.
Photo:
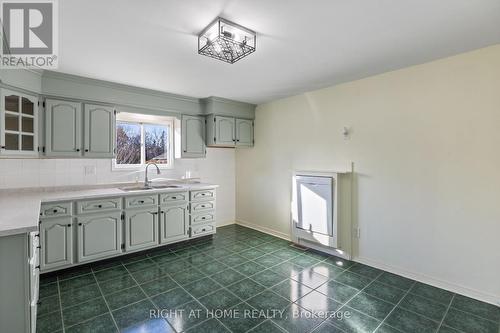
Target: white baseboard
[
  {"x": 224, "y": 223},
  {"x": 264, "y": 229},
  {"x": 472, "y": 293}
]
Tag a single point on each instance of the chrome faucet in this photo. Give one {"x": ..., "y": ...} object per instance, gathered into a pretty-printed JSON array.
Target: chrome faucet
[{"x": 147, "y": 182}]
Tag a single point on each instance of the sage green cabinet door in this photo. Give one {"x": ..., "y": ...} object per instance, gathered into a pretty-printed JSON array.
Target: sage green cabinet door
[
  {"x": 141, "y": 229},
  {"x": 99, "y": 129},
  {"x": 99, "y": 236},
  {"x": 244, "y": 132},
  {"x": 63, "y": 128},
  {"x": 193, "y": 137},
  {"x": 224, "y": 131},
  {"x": 174, "y": 224},
  {"x": 56, "y": 239}
]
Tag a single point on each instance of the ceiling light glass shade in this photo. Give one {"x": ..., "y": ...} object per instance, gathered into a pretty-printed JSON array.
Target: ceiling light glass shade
[{"x": 226, "y": 41}]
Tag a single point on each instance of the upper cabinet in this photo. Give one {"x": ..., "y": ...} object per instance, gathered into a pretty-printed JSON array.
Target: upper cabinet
[
  {"x": 18, "y": 124},
  {"x": 72, "y": 130},
  {"x": 99, "y": 129},
  {"x": 193, "y": 136},
  {"x": 244, "y": 132},
  {"x": 63, "y": 128},
  {"x": 229, "y": 132}
]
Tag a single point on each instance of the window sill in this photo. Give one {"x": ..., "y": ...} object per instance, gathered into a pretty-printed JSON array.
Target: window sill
[{"x": 138, "y": 168}]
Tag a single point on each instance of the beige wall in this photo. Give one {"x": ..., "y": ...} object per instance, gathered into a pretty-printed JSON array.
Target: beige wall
[{"x": 426, "y": 147}]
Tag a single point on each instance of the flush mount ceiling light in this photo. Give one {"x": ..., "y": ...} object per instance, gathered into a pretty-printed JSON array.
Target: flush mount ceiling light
[{"x": 226, "y": 41}]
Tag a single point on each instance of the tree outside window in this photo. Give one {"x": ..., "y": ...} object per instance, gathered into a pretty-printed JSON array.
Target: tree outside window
[{"x": 139, "y": 143}]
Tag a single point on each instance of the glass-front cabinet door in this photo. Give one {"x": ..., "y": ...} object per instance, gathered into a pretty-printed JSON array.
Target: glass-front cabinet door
[{"x": 18, "y": 124}]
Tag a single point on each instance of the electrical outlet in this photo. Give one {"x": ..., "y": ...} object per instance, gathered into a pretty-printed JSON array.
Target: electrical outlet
[{"x": 90, "y": 170}]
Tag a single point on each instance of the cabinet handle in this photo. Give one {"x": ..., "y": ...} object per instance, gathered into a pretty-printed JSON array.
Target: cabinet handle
[
  {"x": 2, "y": 147},
  {"x": 163, "y": 212},
  {"x": 77, "y": 149},
  {"x": 154, "y": 213},
  {"x": 238, "y": 140},
  {"x": 37, "y": 267},
  {"x": 86, "y": 150},
  {"x": 54, "y": 211},
  {"x": 80, "y": 224},
  {"x": 185, "y": 151},
  {"x": 174, "y": 198},
  {"x": 203, "y": 218},
  {"x": 141, "y": 201},
  {"x": 99, "y": 206},
  {"x": 68, "y": 225},
  {"x": 202, "y": 206}
]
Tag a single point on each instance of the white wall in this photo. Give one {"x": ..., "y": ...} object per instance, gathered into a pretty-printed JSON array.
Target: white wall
[
  {"x": 218, "y": 168},
  {"x": 426, "y": 147}
]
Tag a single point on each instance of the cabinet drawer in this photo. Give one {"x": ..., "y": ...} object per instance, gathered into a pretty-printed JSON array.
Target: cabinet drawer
[
  {"x": 202, "y": 195},
  {"x": 55, "y": 209},
  {"x": 174, "y": 197},
  {"x": 203, "y": 217},
  {"x": 204, "y": 229},
  {"x": 142, "y": 201},
  {"x": 202, "y": 206},
  {"x": 93, "y": 206}
]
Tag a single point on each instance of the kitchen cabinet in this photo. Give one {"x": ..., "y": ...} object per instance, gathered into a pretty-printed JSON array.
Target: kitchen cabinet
[
  {"x": 174, "y": 223},
  {"x": 229, "y": 132},
  {"x": 202, "y": 213},
  {"x": 56, "y": 237},
  {"x": 18, "y": 282},
  {"x": 63, "y": 128},
  {"x": 193, "y": 137},
  {"x": 106, "y": 227},
  {"x": 99, "y": 236},
  {"x": 99, "y": 129},
  {"x": 141, "y": 228},
  {"x": 244, "y": 132},
  {"x": 73, "y": 130},
  {"x": 18, "y": 124}
]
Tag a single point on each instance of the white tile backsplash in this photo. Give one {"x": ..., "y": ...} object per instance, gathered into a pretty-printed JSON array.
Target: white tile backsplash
[{"x": 218, "y": 167}]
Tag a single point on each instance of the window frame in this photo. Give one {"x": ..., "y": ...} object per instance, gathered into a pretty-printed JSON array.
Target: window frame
[{"x": 159, "y": 121}]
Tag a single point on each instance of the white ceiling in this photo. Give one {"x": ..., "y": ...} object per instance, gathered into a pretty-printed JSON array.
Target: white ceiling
[{"x": 302, "y": 45}]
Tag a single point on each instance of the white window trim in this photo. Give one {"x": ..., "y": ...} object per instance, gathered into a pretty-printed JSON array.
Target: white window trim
[{"x": 141, "y": 119}]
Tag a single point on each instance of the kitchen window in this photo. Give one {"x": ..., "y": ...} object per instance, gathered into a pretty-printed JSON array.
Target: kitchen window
[{"x": 141, "y": 139}]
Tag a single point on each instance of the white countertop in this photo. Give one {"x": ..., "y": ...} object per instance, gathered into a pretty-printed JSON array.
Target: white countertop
[{"x": 20, "y": 208}]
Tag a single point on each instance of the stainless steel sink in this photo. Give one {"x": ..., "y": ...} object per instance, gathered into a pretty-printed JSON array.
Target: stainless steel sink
[
  {"x": 143, "y": 188},
  {"x": 135, "y": 188},
  {"x": 166, "y": 186}
]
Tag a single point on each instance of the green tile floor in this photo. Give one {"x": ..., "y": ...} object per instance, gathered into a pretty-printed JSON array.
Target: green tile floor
[{"x": 242, "y": 270}]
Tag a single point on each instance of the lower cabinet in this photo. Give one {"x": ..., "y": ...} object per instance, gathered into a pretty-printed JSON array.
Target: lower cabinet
[
  {"x": 99, "y": 236},
  {"x": 104, "y": 230},
  {"x": 56, "y": 236},
  {"x": 174, "y": 223},
  {"x": 141, "y": 228}
]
